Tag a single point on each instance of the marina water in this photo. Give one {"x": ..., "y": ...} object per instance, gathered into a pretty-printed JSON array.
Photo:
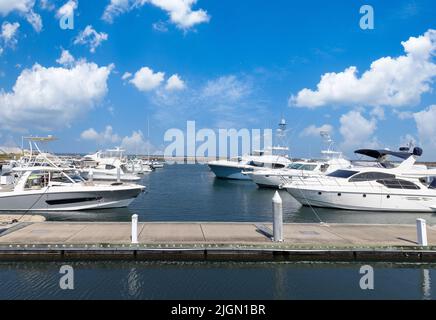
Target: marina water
[{"x": 191, "y": 193}]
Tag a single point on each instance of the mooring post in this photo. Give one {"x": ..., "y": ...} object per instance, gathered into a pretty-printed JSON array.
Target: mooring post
[
  {"x": 421, "y": 228},
  {"x": 118, "y": 174},
  {"x": 135, "y": 229},
  {"x": 91, "y": 176},
  {"x": 278, "y": 217}
]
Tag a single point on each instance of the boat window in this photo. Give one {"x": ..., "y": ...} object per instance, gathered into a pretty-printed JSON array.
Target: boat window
[
  {"x": 398, "y": 184},
  {"x": 342, "y": 174},
  {"x": 256, "y": 164},
  {"x": 295, "y": 166},
  {"x": 308, "y": 167},
  {"x": 278, "y": 166},
  {"x": 371, "y": 176},
  {"x": 109, "y": 167}
]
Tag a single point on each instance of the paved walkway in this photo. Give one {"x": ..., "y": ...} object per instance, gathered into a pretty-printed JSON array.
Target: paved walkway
[{"x": 345, "y": 235}]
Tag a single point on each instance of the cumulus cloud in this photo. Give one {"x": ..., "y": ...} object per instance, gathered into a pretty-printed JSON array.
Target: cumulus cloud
[
  {"x": 357, "y": 131},
  {"x": 24, "y": 8},
  {"x": 175, "y": 83},
  {"x": 314, "y": 131},
  {"x": 180, "y": 11},
  {"x": 66, "y": 59},
  {"x": 137, "y": 144},
  {"x": 425, "y": 123},
  {"x": 390, "y": 81},
  {"x": 102, "y": 138},
  {"x": 91, "y": 38},
  {"x": 126, "y": 76},
  {"x": 50, "y": 97},
  {"x": 145, "y": 79}
]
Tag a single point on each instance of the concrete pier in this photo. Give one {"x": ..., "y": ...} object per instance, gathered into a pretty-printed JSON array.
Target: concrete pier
[{"x": 167, "y": 241}]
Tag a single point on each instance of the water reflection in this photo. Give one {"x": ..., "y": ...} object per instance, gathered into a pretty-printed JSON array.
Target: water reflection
[{"x": 426, "y": 284}]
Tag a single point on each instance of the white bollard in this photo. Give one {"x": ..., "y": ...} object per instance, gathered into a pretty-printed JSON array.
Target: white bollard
[
  {"x": 135, "y": 229},
  {"x": 421, "y": 229},
  {"x": 278, "y": 217},
  {"x": 118, "y": 174}
]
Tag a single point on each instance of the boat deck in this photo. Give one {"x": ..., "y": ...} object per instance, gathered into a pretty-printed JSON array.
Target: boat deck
[{"x": 205, "y": 240}]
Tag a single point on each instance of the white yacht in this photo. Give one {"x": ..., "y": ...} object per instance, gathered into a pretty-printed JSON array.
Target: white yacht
[
  {"x": 235, "y": 168},
  {"x": 57, "y": 189},
  {"x": 107, "y": 167},
  {"x": 402, "y": 188},
  {"x": 333, "y": 160}
]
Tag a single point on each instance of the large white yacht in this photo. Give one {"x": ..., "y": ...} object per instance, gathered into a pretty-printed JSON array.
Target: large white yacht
[
  {"x": 272, "y": 158},
  {"x": 402, "y": 188},
  {"x": 332, "y": 161},
  {"x": 58, "y": 189}
]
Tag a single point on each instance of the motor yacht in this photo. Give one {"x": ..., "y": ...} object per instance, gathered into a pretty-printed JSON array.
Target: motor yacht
[
  {"x": 271, "y": 158},
  {"x": 275, "y": 178},
  {"x": 61, "y": 189},
  {"x": 400, "y": 188}
]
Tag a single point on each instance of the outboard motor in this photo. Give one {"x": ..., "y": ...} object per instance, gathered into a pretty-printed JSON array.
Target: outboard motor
[{"x": 417, "y": 151}]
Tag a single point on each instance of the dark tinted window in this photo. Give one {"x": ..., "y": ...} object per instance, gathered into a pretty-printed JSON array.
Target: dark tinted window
[
  {"x": 342, "y": 173},
  {"x": 371, "y": 176},
  {"x": 109, "y": 167},
  {"x": 398, "y": 184}
]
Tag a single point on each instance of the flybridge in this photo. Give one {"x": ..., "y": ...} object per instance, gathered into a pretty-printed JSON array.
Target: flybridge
[{"x": 379, "y": 154}]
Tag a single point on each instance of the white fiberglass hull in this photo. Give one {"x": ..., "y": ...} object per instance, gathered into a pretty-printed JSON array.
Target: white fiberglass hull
[
  {"x": 364, "y": 200},
  {"x": 70, "y": 198}
]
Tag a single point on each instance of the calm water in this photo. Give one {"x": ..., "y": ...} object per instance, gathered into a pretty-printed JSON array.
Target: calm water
[
  {"x": 208, "y": 280},
  {"x": 191, "y": 193}
]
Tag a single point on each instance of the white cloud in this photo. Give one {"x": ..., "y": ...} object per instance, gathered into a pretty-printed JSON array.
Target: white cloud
[
  {"x": 24, "y": 8},
  {"x": 425, "y": 123},
  {"x": 226, "y": 87},
  {"x": 404, "y": 115},
  {"x": 104, "y": 137},
  {"x": 378, "y": 112},
  {"x": 136, "y": 144},
  {"x": 160, "y": 26},
  {"x": 357, "y": 131},
  {"x": 175, "y": 83},
  {"x": 180, "y": 11},
  {"x": 91, "y": 38},
  {"x": 35, "y": 20},
  {"x": 8, "y": 6},
  {"x": 126, "y": 75},
  {"x": 9, "y": 32},
  {"x": 49, "y": 97},
  {"x": 46, "y": 5},
  {"x": 314, "y": 131},
  {"x": 66, "y": 59},
  {"x": 146, "y": 79},
  {"x": 390, "y": 81},
  {"x": 67, "y": 9}
]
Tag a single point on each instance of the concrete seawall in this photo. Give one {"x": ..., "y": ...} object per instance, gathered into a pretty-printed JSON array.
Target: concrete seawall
[{"x": 215, "y": 241}]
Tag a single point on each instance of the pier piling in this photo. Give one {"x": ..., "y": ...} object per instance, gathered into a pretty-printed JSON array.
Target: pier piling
[
  {"x": 421, "y": 228},
  {"x": 278, "y": 218},
  {"x": 134, "y": 229}
]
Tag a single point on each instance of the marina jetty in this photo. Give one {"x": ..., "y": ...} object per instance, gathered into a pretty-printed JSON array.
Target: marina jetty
[{"x": 41, "y": 240}]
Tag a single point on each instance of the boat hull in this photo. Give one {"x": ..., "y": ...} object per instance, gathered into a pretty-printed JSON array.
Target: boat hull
[
  {"x": 229, "y": 172},
  {"x": 364, "y": 201},
  {"x": 69, "y": 200}
]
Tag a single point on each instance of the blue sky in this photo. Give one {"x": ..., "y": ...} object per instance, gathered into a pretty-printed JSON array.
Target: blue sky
[{"x": 238, "y": 64}]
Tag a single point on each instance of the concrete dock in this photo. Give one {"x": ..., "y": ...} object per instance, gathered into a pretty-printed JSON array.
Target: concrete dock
[{"x": 209, "y": 241}]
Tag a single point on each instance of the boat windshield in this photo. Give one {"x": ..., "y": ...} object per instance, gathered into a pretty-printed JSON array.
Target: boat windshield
[
  {"x": 344, "y": 174},
  {"x": 308, "y": 167},
  {"x": 295, "y": 166}
]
